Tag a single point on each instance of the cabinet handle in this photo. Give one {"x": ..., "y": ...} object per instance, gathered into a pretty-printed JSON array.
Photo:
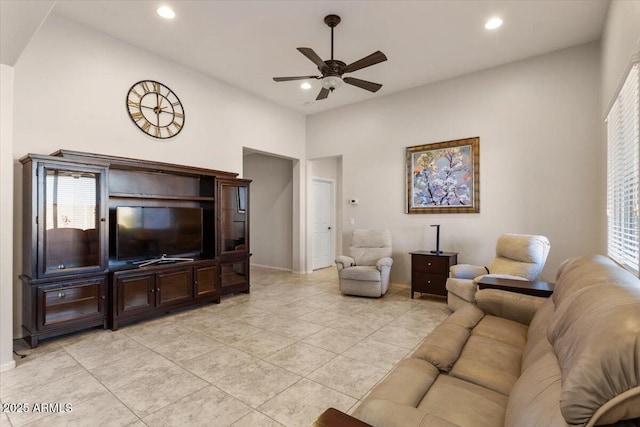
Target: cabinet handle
[
  {"x": 153, "y": 290},
  {"x": 157, "y": 289},
  {"x": 60, "y": 294},
  {"x": 60, "y": 266},
  {"x": 428, "y": 282},
  {"x": 103, "y": 297},
  {"x": 103, "y": 220},
  {"x": 429, "y": 264}
]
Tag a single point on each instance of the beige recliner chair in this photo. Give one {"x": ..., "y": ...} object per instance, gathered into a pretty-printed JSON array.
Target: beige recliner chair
[
  {"x": 366, "y": 271},
  {"x": 518, "y": 256}
]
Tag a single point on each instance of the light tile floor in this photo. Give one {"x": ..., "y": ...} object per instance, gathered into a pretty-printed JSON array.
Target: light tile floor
[{"x": 278, "y": 356}]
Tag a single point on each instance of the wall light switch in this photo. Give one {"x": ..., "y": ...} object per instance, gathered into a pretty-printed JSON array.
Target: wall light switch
[{"x": 352, "y": 221}]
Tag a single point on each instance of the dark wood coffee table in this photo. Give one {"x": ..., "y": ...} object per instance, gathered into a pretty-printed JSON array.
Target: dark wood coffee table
[
  {"x": 536, "y": 288},
  {"x": 334, "y": 418}
]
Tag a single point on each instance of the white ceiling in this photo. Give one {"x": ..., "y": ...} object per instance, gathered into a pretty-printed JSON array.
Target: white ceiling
[{"x": 246, "y": 43}]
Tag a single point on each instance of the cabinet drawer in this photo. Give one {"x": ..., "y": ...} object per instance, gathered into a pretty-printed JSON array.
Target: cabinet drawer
[
  {"x": 428, "y": 283},
  {"x": 430, "y": 264}
]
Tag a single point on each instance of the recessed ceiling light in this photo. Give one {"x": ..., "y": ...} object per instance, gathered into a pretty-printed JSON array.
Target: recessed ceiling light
[
  {"x": 306, "y": 85},
  {"x": 166, "y": 12},
  {"x": 493, "y": 23}
]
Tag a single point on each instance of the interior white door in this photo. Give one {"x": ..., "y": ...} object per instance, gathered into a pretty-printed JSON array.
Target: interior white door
[{"x": 322, "y": 234}]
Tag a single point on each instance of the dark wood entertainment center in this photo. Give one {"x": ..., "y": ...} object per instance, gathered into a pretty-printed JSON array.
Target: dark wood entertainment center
[{"x": 72, "y": 278}]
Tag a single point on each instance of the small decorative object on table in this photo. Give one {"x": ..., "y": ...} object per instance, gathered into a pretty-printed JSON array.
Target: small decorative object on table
[{"x": 437, "y": 251}]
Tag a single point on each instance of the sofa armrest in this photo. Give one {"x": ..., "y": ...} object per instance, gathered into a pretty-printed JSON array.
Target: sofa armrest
[
  {"x": 508, "y": 305},
  {"x": 344, "y": 261},
  {"x": 384, "y": 262},
  {"x": 467, "y": 271}
]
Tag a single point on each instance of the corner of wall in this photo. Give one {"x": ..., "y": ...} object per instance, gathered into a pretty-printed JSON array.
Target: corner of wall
[{"x": 6, "y": 219}]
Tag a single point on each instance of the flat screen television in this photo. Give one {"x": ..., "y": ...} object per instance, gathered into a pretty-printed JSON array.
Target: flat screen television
[{"x": 150, "y": 232}]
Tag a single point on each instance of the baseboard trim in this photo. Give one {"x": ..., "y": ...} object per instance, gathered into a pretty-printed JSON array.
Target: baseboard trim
[
  {"x": 7, "y": 366},
  {"x": 271, "y": 267}
]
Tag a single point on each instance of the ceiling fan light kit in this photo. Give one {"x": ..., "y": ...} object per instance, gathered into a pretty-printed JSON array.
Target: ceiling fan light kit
[
  {"x": 332, "y": 82},
  {"x": 332, "y": 70}
]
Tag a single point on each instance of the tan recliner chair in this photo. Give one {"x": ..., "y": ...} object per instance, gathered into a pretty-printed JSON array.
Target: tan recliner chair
[
  {"x": 366, "y": 271},
  {"x": 518, "y": 256}
]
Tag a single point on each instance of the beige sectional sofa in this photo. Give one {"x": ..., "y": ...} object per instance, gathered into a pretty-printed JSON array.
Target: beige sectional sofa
[{"x": 515, "y": 360}]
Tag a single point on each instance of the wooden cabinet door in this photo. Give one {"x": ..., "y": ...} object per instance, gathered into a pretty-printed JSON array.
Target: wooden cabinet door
[
  {"x": 72, "y": 219},
  {"x": 232, "y": 204},
  {"x": 135, "y": 293},
  {"x": 205, "y": 281},
  {"x": 76, "y": 301},
  {"x": 234, "y": 274},
  {"x": 174, "y": 287}
]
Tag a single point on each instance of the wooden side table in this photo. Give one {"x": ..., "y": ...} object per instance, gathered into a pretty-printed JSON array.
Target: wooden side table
[
  {"x": 334, "y": 418},
  {"x": 535, "y": 288},
  {"x": 429, "y": 271}
]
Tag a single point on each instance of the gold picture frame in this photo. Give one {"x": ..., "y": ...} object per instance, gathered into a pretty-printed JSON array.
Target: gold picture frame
[{"x": 443, "y": 177}]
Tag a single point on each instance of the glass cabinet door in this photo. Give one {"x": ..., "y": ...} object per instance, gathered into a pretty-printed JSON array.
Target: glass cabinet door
[
  {"x": 233, "y": 202},
  {"x": 71, "y": 220}
]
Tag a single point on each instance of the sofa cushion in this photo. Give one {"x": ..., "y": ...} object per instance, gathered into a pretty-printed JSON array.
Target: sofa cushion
[
  {"x": 467, "y": 316},
  {"x": 533, "y": 401},
  {"x": 463, "y": 288},
  {"x": 443, "y": 345},
  {"x": 368, "y": 246},
  {"x": 537, "y": 333},
  {"x": 520, "y": 255},
  {"x": 595, "y": 335},
  {"x": 587, "y": 271},
  {"x": 509, "y": 305},
  {"x": 488, "y": 363},
  {"x": 463, "y": 403},
  {"x": 503, "y": 330},
  {"x": 385, "y": 413},
  {"x": 394, "y": 401},
  {"x": 407, "y": 383},
  {"x": 369, "y": 274}
]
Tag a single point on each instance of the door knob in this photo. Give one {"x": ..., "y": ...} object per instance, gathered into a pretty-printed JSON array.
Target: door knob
[{"x": 328, "y": 228}]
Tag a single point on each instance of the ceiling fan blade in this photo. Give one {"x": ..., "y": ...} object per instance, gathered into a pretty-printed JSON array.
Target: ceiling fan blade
[
  {"x": 324, "y": 92},
  {"x": 309, "y": 53},
  {"x": 287, "y": 79},
  {"x": 367, "y": 61},
  {"x": 363, "y": 84}
]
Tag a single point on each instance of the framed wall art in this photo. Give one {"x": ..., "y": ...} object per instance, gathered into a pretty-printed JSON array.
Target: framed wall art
[{"x": 444, "y": 177}]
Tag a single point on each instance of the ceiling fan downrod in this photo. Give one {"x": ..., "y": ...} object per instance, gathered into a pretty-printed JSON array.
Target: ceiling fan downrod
[{"x": 332, "y": 21}]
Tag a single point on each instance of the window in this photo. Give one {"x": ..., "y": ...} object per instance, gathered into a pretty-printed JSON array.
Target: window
[{"x": 623, "y": 129}]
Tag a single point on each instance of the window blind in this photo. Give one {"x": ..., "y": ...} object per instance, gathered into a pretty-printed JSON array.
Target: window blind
[
  {"x": 623, "y": 140},
  {"x": 70, "y": 200}
]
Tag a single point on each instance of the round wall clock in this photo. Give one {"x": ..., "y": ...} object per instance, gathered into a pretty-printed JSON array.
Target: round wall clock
[{"x": 155, "y": 109}]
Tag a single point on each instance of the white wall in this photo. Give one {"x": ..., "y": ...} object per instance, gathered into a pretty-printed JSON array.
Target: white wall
[
  {"x": 271, "y": 201},
  {"x": 540, "y": 171},
  {"x": 70, "y": 88},
  {"x": 6, "y": 218},
  {"x": 620, "y": 42}
]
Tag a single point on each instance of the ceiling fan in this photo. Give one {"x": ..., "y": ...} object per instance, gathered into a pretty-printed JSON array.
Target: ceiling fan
[{"x": 332, "y": 69}]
